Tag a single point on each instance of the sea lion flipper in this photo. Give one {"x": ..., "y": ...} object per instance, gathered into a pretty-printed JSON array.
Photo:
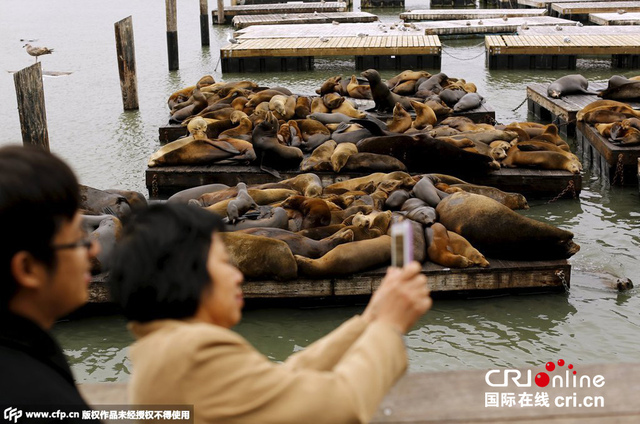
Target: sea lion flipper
[{"x": 371, "y": 126}]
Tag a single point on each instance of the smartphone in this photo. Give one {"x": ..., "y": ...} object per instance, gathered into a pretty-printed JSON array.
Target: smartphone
[{"x": 401, "y": 244}]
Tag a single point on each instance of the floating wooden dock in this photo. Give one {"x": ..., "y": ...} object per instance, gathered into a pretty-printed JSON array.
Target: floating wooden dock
[
  {"x": 559, "y": 51},
  {"x": 297, "y": 54},
  {"x": 582, "y": 30},
  {"x": 452, "y": 3},
  {"x": 456, "y": 14},
  {"x": 537, "y": 4},
  {"x": 459, "y": 397},
  {"x": 280, "y": 8},
  {"x": 500, "y": 277},
  {"x": 162, "y": 182},
  {"x": 615, "y": 18},
  {"x": 489, "y": 26},
  {"x": 580, "y": 11},
  {"x": 615, "y": 164},
  {"x": 243, "y": 21},
  {"x": 369, "y": 29}
]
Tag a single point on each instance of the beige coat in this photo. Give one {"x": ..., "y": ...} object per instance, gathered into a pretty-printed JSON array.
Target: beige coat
[{"x": 341, "y": 378}]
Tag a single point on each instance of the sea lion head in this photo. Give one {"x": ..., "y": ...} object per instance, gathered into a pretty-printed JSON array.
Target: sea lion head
[
  {"x": 372, "y": 76},
  {"x": 623, "y": 284},
  {"x": 197, "y": 127},
  {"x": 574, "y": 166}
]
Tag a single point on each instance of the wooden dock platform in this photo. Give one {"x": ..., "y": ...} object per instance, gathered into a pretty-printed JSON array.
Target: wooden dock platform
[
  {"x": 559, "y": 51},
  {"x": 460, "y": 397},
  {"x": 369, "y": 29},
  {"x": 580, "y": 11},
  {"x": 537, "y": 4},
  {"x": 500, "y": 277},
  {"x": 489, "y": 26},
  {"x": 297, "y": 54},
  {"x": 162, "y": 182},
  {"x": 582, "y": 30},
  {"x": 243, "y": 21},
  {"x": 615, "y": 164},
  {"x": 280, "y": 8},
  {"x": 615, "y": 18},
  {"x": 456, "y": 14}
]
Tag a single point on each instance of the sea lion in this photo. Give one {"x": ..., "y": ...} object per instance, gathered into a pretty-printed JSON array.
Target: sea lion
[
  {"x": 262, "y": 96},
  {"x": 329, "y": 86},
  {"x": 185, "y": 93},
  {"x": 426, "y": 191},
  {"x": 384, "y": 99},
  {"x": 320, "y": 159},
  {"x": 510, "y": 200},
  {"x": 136, "y": 200},
  {"x": 625, "y": 134},
  {"x": 267, "y": 217},
  {"x": 468, "y": 102},
  {"x": 311, "y": 127},
  {"x": 358, "y": 91},
  {"x": 603, "y": 111},
  {"x": 408, "y": 75},
  {"x": 517, "y": 237},
  {"x": 261, "y": 197},
  {"x": 308, "y": 185},
  {"x": 569, "y": 84},
  {"x": 240, "y": 204},
  {"x": 318, "y": 106},
  {"x": 349, "y": 258},
  {"x": 304, "y": 246},
  {"x": 433, "y": 83},
  {"x": 260, "y": 257},
  {"x": 540, "y": 159},
  {"x": 243, "y": 131},
  {"x": 349, "y": 133},
  {"x": 193, "y": 193},
  {"x": 422, "y": 153},
  {"x": 438, "y": 252},
  {"x": 316, "y": 212},
  {"x": 341, "y": 154},
  {"x": 197, "y": 102},
  {"x": 405, "y": 88},
  {"x": 284, "y": 107},
  {"x": 451, "y": 97},
  {"x": 425, "y": 116},
  {"x": 96, "y": 202},
  {"x": 397, "y": 199},
  {"x": 346, "y": 108},
  {"x": 303, "y": 107},
  {"x": 375, "y": 178},
  {"x": 190, "y": 151},
  {"x": 373, "y": 162},
  {"x": 621, "y": 88},
  {"x": 107, "y": 234},
  {"x": 439, "y": 108},
  {"x": 333, "y": 100},
  {"x": 271, "y": 152},
  {"x": 401, "y": 120}
]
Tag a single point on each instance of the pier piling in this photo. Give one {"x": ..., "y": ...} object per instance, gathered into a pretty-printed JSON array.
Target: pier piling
[
  {"x": 127, "y": 63},
  {"x": 221, "y": 12},
  {"x": 204, "y": 22},
  {"x": 33, "y": 115},
  {"x": 172, "y": 35}
]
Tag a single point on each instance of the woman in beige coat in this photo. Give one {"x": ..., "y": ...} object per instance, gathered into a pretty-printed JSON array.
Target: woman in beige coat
[{"x": 173, "y": 278}]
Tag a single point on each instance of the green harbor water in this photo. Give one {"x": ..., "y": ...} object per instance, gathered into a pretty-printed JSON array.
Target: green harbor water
[{"x": 109, "y": 148}]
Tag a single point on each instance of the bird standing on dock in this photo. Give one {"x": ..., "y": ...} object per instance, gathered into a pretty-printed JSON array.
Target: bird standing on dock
[
  {"x": 567, "y": 39},
  {"x": 37, "y": 51},
  {"x": 579, "y": 24},
  {"x": 558, "y": 28},
  {"x": 505, "y": 18}
]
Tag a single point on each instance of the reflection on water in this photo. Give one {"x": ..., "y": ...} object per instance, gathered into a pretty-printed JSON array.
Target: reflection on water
[{"x": 108, "y": 147}]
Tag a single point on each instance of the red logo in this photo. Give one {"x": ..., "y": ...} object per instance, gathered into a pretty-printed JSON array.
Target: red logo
[{"x": 542, "y": 379}]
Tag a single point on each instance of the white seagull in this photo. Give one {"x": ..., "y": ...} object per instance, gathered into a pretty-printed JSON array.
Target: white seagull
[{"x": 37, "y": 51}]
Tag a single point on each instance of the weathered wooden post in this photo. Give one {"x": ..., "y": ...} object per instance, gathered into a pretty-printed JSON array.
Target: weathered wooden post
[
  {"x": 221, "y": 12},
  {"x": 33, "y": 115},
  {"x": 204, "y": 22},
  {"x": 127, "y": 63},
  {"x": 172, "y": 34}
]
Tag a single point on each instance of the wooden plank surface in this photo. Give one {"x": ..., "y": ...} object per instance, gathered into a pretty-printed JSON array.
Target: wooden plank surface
[
  {"x": 489, "y": 26},
  {"x": 333, "y": 46},
  {"x": 579, "y": 44},
  {"x": 546, "y": 3},
  {"x": 459, "y": 397},
  {"x": 243, "y": 21},
  {"x": 578, "y": 8},
  {"x": 615, "y": 18},
  {"x": 581, "y": 30},
  {"x": 451, "y": 14},
  {"x": 262, "y": 9},
  {"x": 328, "y": 30},
  {"x": 611, "y": 152}
]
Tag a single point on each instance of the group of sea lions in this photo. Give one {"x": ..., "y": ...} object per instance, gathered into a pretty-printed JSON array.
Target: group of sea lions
[
  {"x": 298, "y": 228},
  {"x": 246, "y": 124},
  {"x": 618, "y": 87},
  {"x": 616, "y": 121}
]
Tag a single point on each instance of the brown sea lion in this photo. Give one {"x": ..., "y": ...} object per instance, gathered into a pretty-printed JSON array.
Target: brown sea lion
[
  {"x": 136, "y": 200},
  {"x": 439, "y": 108},
  {"x": 260, "y": 257},
  {"x": 384, "y": 99},
  {"x": 373, "y": 162},
  {"x": 262, "y": 96},
  {"x": 347, "y": 108},
  {"x": 357, "y": 90},
  {"x": 183, "y": 95},
  {"x": 604, "y": 111},
  {"x": 303, "y": 107},
  {"x": 517, "y": 237},
  {"x": 316, "y": 211},
  {"x": 425, "y": 116},
  {"x": 536, "y": 145},
  {"x": 243, "y": 131},
  {"x": 348, "y": 258},
  {"x": 341, "y": 154},
  {"x": 405, "y": 88},
  {"x": 625, "y": 134},
  {"x": 320, "y": 233},
  {"x": 283, "y": 107},
  {"x": 332, "y": 100},
  {"x": 438, "y": 252},
  {"x": 193, "y": 193},
  {"x": 621, "y": 88},
  {"x": 268, "y": 217},
  {"x": 107, "y": 233},
  {"x": 269, "y": 151},
  {"x": 98, "y": 202},
  {"x": 376, "y": 178},
  {"x": 401, "y": 120},
  {"x": 433, "y": 83},
  {"x": 304, "y": 246},
  {"x": 540, "y": 159},
  {"x": 318, "y": 106},
  {"x": 308, "y": 185},
  {"x": 261, "y": 197},
  {"x": 510, "y": 200},
  {"x": 408, "y": 75},
  {"x": 329, "y": 86},
  {"x": 320, "y": 159},
  {"x": 240, "y": 204},
  {"x": 311, "y": 127}
]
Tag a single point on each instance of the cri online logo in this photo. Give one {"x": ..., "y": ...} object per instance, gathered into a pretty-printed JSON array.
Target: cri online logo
[
  {"x": 542, "y": 379},
  {"x": 12, "y": 414}
]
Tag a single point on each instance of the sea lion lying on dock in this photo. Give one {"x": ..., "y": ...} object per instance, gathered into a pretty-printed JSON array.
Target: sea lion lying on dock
[
  {"x": 568, "y": 84},
  {"x": 621, "y": 88},
  {"x": 260, "y": 257},
  {"x": 304, "y": 246}
]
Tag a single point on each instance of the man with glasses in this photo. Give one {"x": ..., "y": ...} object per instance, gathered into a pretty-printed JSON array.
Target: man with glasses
[{"x": 44, "y": 275}]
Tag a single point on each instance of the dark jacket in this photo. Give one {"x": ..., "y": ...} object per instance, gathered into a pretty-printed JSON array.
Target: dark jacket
[{"x": 33, "y": 369}]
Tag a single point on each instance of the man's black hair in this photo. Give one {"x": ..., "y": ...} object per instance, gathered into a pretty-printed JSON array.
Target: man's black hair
[
  {"x": 159, "y": 268},
  {"x": 38, "y": 192}
]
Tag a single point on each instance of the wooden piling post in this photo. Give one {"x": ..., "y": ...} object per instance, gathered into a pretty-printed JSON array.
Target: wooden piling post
[
  {"x": 204, "y": 22},
  {"x": 172, "y": 34},
  {"x": 127, "y": 63},
  {"x": 33, "y": 115},
  {"x": 221, "y": 12}
]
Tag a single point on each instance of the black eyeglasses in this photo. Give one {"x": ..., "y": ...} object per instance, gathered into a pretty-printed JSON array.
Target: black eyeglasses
[{"x": 86, "y": 242}]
